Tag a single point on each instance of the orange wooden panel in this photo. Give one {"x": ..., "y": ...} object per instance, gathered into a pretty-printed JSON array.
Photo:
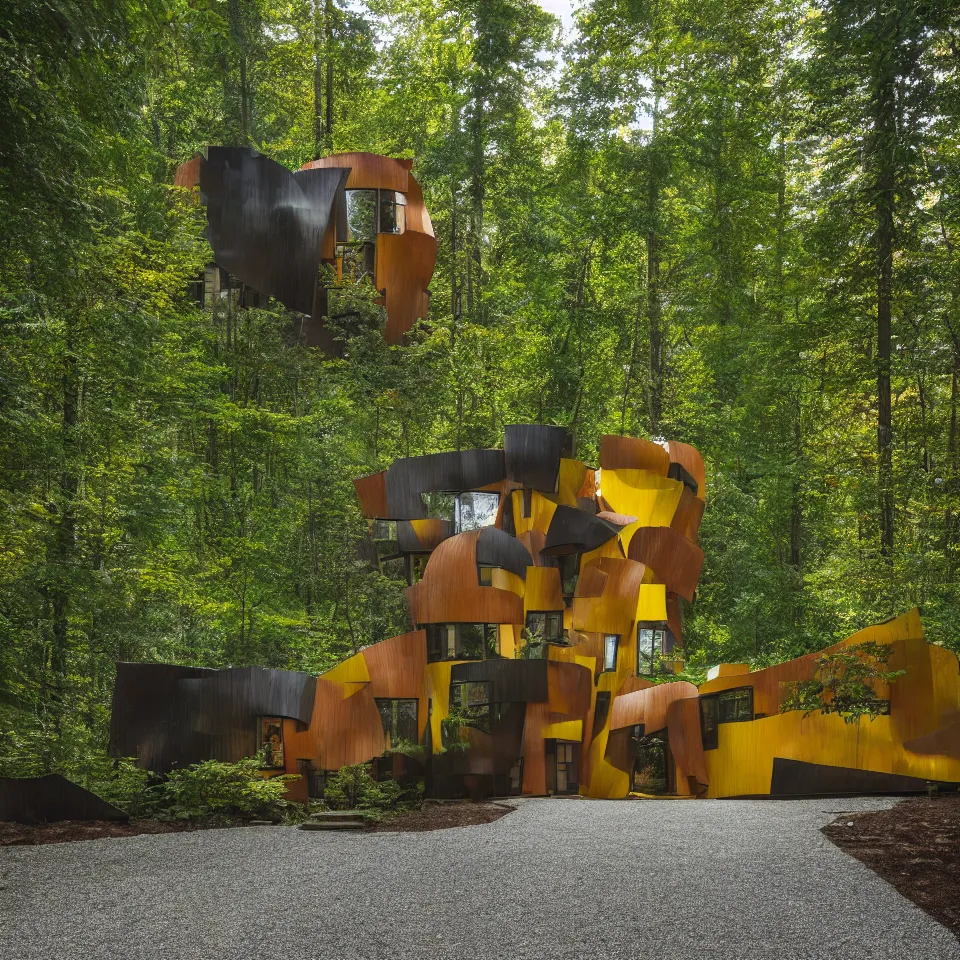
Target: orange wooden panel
[
  {"x": 418, "y": 219},
  {"x": 450, "y": 591},
  {"x": 675, "y": 617},
  {"x": 372, "y": 493},
  {"x": 188, "y": 173},
  {"x": 429, "y": 533},
  {"x": 686, "y": 742},
  {"x": 404, "y": 266},
  {"x": 689, "y": 458},
  {"x": 615, "y": 610},
  {"x": 589, "y": 487},
  {"x": 367, "y": 170},
  {"x": 632, "y": 684},
  {"x": 591, "y": 582},
  {"x": 649, "y": 706},
  {"x": 632, "y": 453},
  {"x": 689, "y": 513},
  {"x": 534, "y": 541},
  {"x": 674, "y": 559},
  {"x": 569, "y": 687},
  {"x": 396, "y": 665},
  {"x": 534, "y": 754}
]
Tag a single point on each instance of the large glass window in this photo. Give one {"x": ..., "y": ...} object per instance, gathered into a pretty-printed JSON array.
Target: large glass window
[
  {"x": 736, "y": 705},
  {"x": 472, "y": 699},
  {"x": 650, "y": 648},
  {"x": 271, "y": 743},
  {"x": 393, "y": 212},
  {"x": 546, "y": 623},
  {"x": 462, "y": 641},
  {"x": 611, "y": 642},
  {"x": 566, "y": 767},
  {"x": 361, "y": 216},
  {"x": 399, "y": 719},
  {"x": 476, "y": 510}
]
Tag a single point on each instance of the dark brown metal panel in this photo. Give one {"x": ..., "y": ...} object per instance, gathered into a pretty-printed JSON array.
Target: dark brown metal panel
[
  {"x": 409, "y": 541},
  {"x": 498, "y": 549},
  {"x": 456, "y": 472},
  {"x": 514, "y": 681},
  {"x": 173, "y": 716},
  {"x": 674, "y": 559},
  {"x": 51, "y": 798},
  {"x": 799, "y": 778},
  {"x": 573, "y": 531},
  {"x": 265, "y": 223},
  {"x": 532, "y": 454},
  {"x": 677, "y": 471}
]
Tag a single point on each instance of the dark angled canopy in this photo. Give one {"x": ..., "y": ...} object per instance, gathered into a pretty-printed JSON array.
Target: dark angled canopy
[
  {"x": 495, "y": 548},
  {"x": 574, "y": 531}
]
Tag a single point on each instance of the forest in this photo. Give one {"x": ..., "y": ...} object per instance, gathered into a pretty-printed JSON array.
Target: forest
[{"x": 734, "y": 223}]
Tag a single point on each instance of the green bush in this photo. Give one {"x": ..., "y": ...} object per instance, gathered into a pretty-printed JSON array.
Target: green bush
[
  {"x": 129, "y": 787},
  {"x": 225, "y": 791},
  {"x": 352, "y": 788}
]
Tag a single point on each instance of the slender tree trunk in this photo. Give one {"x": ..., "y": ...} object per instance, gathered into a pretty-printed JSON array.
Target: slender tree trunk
[
  {"x": 328, "y": 24},
  {"x": 884, "y": 151},
  {"x": 654, "y": 306},
  {"x": 318, "y": 118}
]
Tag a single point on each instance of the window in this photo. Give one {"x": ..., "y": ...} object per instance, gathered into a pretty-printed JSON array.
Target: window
[
  {"x": 475, "y": 510},
  {"x": 547, "y": 624},
  {"x": 610, "y": 643},
  {"x": 736, "y": 705},
  {"x": 462, "y": 641},
  {"x": 566, "y": 767},
  {"x": 385, "y": 538},
  {"x": 731, "y": 706},
  {"x": 270, "y": 744},
  {"x": 485, "y": 573},
  {"x": 361, "y": 216},
  {"x": 650, "y": 648},
  {"x": 466, "y": 511},
  {"x": 472, "y": 698},
  {"x": 708, "y": 722},
  {"x": 393, "y": 212},
  {"x": 417, "y": 566},
  {"x": 569, "y": 565},
  {"x": 399, "y": 719}
]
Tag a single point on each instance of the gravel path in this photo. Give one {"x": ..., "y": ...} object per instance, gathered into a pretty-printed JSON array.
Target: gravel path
[{"x": 556, "y": 879}]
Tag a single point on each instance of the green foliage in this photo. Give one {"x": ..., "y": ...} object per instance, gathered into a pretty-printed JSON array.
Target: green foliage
[
  {"x": 453, "y": 728},
  {"x": 846, "y": 683},
  {"x": 224, "y": 791},
  {"x": 353, "y": 788}
]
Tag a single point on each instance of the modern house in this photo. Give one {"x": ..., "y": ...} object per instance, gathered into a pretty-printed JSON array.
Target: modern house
[{"x": 547, "y": 597}]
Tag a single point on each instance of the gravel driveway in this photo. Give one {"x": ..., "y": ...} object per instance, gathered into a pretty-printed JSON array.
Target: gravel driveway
[{"x": 557, "y": 878}]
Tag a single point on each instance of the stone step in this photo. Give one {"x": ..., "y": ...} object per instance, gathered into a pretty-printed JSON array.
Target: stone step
[{"x": 333, "y": 825}]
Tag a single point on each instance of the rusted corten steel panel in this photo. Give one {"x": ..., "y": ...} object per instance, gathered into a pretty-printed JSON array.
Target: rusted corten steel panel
[
  {"x": 456, "y": 472},
  {"x": 532, "y": 453},
  {"x": 498, "y": 549},
  {"x": 649, "y": 706},
  {"x": 51, "y": 798},
  {"x": 674, "y": 559},
  {"x": 689, "y": 458},
  {"x": 372, "y": 493},
  {"x": 174, "y": 716},
  {"x": 265, "y": 223},
  {"x": 573, "y": 531},
  {"x": 368, "y": 170},
  {"x": 689, "y": 513},
  {"x": 686, "y": 742},
  {"x": 633, "y": 453}
]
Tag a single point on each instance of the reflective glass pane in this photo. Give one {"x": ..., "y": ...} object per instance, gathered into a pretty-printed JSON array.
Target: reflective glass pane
[
  {"x": 476, "y": 510},
  {"x": 392, "y": 212},
  {"x": 610, "y": 651},
  {"x": 492, "y": 639},
  {"x": 451, "y": 651},
  {"x": 362, "y": 216},
  {"x": 407, "y": 720},
  {"x": 471, "y": 641},
  {"x": 440, "y": 506}
]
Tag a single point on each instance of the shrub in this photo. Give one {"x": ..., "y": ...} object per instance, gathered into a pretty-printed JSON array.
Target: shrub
[
  {"x": 129, "y": 787},
  {"x": 352, "y": 788},
  {"x": 215, "y": 790}
]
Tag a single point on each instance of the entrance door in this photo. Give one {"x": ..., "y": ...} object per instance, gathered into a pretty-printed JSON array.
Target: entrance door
[
  {"x": 568, "y": 776},
  {"x": 653, "y": 771}
]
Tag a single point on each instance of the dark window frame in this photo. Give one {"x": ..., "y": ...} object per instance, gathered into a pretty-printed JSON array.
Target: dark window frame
[
  {"x": 547, "y": 615},
  {"x": 480, "y": 710},
  {"x": 712, "y": 713},
  {"x": 616, "y": 652},
  {"x": 488, "y": 651},
  {"x": 394, "y": 707},
  {"x": 654, "y": 627}
]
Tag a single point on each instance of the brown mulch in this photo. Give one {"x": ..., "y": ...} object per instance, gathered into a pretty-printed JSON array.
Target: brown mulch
[
  {"x": 442, "y": 816},
  {"x": 69, "y": 831},
  {"x": 915, "y": 847}
]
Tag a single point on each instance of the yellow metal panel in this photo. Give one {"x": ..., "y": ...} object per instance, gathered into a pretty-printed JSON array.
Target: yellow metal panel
[
  {"x": 352, "y": 674},
  {"x": 505, "y": 580},
  {"x": 652, "y": 603},
  {"x": 650, "y": 498},
  {"x": 572, "y": 475},
  {"x": 437, "y": 682},
  {"x": 565, "y": 730}
]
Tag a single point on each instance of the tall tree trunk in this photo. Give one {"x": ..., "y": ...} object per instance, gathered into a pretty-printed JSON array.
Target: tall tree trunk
[
  {"x": 885, "y": 159},
  {"x": 328, "y": 24},
  {"x": 654, "y": 306},
  {"x": 318, "y": 47}
]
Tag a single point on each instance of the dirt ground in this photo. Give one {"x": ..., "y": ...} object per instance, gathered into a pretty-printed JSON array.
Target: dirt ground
[
  {"x": 915, "y": 847},
  {"x": 442, "y": 816},
  {"x": 69, "y": 831}
]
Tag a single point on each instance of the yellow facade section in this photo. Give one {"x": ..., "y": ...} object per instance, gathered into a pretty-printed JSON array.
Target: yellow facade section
[
  {"x": 352, "y": 675},
  {"x": 572, "y": 475},
  {"x": 566, "y": 730},
  {"x": 509, "y": 640},
  {"x": 541, "y": 512},
  {"x": 437, "y": 688},
  {"x": 652, "y": 602},
  {"x": 650, "y": 498},
  {"x": 506, "y": 580}
]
